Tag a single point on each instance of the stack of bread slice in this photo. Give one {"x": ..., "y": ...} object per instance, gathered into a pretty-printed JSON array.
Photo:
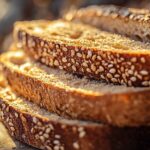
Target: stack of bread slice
[{"x": 71, "y": 86}]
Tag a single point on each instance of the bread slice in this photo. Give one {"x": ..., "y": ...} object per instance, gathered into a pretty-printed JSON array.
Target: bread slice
[
  {"x": 74, "y": 97},
  {"x": 126, "y": 21},
  {"x": 30, "y": 124},
  {"x": 86, "y": 51}
]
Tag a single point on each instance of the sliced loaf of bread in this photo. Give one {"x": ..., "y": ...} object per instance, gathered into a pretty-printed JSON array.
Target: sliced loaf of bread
[
  {"x": 126, "y": 21},
  {"x": 30, "y": 124},
  {"x": 76, "y": 97},
  {"x": 85, "y": 50}
]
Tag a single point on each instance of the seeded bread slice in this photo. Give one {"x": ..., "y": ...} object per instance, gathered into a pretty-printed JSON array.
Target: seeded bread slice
[
  {"x": 74, "y": 97},
  {"x": 127, "y": 21},
  {"x": 85, "y": 50},
  {"x": 32, "y": 125}
]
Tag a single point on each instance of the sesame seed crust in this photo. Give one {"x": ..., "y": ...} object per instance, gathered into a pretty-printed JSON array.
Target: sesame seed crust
[
  {"x": 73, "y": 100},
  {"x": 112, "y": 63},
  {"x": 43, "y": 130},
  {"x": 133, "y": 22}
]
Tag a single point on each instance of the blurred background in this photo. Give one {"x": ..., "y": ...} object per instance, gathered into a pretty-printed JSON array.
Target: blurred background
[{"x": 13, "y": 10}]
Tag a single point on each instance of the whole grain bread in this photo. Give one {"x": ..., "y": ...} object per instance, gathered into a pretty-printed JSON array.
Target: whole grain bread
[
  {"x": 76, "y": 97},
  {"x": 30, "y": 124},
  {"x": 85, "y": 50},
  {"x": 126, "y": 21}
]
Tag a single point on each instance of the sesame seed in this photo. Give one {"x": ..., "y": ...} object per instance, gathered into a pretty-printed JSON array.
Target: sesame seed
[
  {"x": 12, "y": 128},
  {"x": 99, "y": 58},
  {"x": 10, "y": 123},
  {"x": 43, "y": 60},
  {"x": 101, "y": 69},
  {"x": 48, "y": 130},
  {"x": 73, "y": 60},
  {"x": 7, "y": 109},
  {"x": 145, "y": 83},
  {"x": 63, "y": 126},
  {"x": 133, "y": 79},
  {"x": 122, "y": 69},
  {"x": 72, "y": 53},
  {"x": 69, "y": 64},
  {"x": 76, "y": 49},
  {"x": 56, "y": 63},
  {"x": 89, "y": 54},
  {"x": 85, "y": 64},
  {"x": 61, "y": 67},
  {"x": 143, "y": 60},
  {"x": 79, "y": 55},
  {"x": 113, "y": 70},
  {"x": 34, "y": 120},
  {"x": 110, "y": 65},
  {"x": 102, "y": 76},
  {"x": 64, "y": 49},
  {"x": 139, "y": 76},
  {"x": 132, "y": 67},
  {"x": 46, "y": 135},
  {"x": 57, "y": 136},
  {"x": 94, "y": 57},
  {"x": 134, "y": 59},
  {"x": 93, "y": 67},
  {"x": 32, "y": 130},
  {"x": 64, "y": 59},
  {"x": 39, "y": 123},
  {"x": 88, "y": 70},
  {"x": 109, "y": 75},
  {"x": 42, "y": 43},
  {"x": 114, "y": 80},
  {"x": 56, "y": 147},
  {"x": 82, "y": 134},
  {"x": 56, "y": 142},
  {"x": 144, "y": 72},
  {"x": 130, "y": 72},
  {"x": 16, "y": 115},
  {"x": 76, "y": 145},
  {"x": 42, "y": 138},
  {"x": 74, "y": 68}
]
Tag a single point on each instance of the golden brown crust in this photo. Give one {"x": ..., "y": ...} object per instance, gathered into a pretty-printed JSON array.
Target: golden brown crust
[
  {"x": 127, "y": 108},
  {"x": 127, "y": 21},
  {"x": 34, "y": 126},
  {"x": 109, "y": 57}
]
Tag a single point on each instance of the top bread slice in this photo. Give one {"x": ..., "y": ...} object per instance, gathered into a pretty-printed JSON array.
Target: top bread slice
[
  {"x": 85, "y": 50},
  {"x": 30, "y": 124},
  {"x": 126, "y": 21},
  {"x": 74, "y": 97}
]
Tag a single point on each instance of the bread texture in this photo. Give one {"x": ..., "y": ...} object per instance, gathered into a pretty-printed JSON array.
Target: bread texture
[
  {"x": 30, "y": 124},
  {"x": 85, "y": 50},
  {"x": 126, "y": 21},
  {"x": 76, "y": 97}
]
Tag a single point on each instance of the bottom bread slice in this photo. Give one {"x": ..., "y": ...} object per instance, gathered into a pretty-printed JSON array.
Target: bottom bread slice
[
  {"x": 30, "y": 124},
  {"x": 74, "y": 97}
]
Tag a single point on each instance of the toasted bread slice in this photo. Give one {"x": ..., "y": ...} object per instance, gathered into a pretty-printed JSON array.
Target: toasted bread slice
[
  {"x": 85, "y": 50},
  {"x": 74, "y": 97},
  {"x": 30, "y": 124},
  {"x": 126, "y": 21}
]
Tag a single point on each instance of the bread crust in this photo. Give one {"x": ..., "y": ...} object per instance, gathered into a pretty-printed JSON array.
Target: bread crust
[
  {"x": 25, "y": 123},
  {"x": 130, "y": 22},
  {"x": 116, "y": 65},
  {"x": 128, "y": 108}
]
